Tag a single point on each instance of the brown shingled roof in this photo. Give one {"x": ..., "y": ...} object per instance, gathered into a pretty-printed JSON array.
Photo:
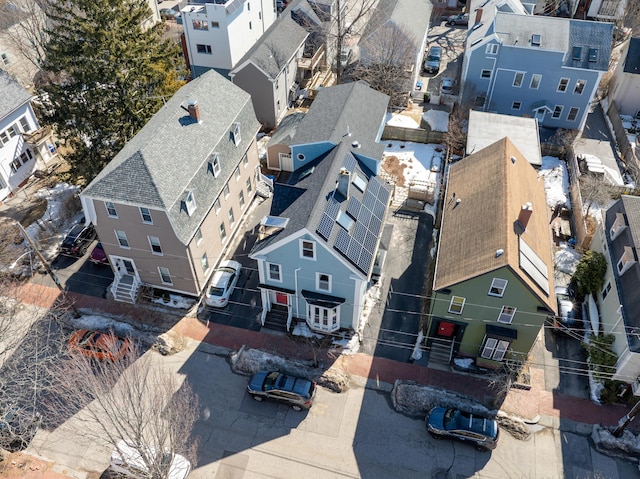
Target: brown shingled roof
[{"x": 484, "y": 196}]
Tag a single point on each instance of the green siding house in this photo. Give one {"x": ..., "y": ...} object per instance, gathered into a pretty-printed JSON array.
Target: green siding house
[{"x": 493, "y": 284}]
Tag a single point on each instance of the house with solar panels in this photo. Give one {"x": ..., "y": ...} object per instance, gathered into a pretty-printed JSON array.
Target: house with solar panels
[
  {"x": 493, "y": 285},
  {"x": 521, "y": 64},
  {"x": 317, "y": 248}
]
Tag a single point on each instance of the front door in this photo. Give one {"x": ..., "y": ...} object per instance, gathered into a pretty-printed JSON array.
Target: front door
[
  {"x": 124, "y": 266},
  {"x": 282, "y": 298}
]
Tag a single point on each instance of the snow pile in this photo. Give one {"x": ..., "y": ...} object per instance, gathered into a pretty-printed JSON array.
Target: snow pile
[
  {"x": 301, "y": 329},
  {"x": 566, "y": 259},
  {"x": 249, "y": 361},
  {"x": 176, "y": 301},
  {"x": 437, "y": 120},
  {"x": 423, "y": 161},
  {"x": 626, "y": 446},
  {"x": 169, "y": 343},
  {"x": 371, "y": 301},
  {"x": 417, "y": 350},
  {"x": 402, "y": 121},
  {"x": 556, "y": 181}
]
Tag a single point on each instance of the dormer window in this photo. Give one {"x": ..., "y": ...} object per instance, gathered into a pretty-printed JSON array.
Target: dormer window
[
  {"x": 214, "y": 165},
  {"x": 627, "y": 260},
  {"x": 190, "y": 203},
  {"x": 593, "y": 55},
  {"x": 618, "y": 225},
  {"x": 235, "y": 133}
]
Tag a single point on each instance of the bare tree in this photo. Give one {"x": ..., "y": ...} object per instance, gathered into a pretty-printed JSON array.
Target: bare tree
[
  {"x": 595, "y": 190},
  {"x": 30, "y": 341},
  {"x": 455, "y": 139},
  {"x": 133, "y": 400},
  {"x": 342, "y": 20},
  {"x": 631, "y": 18},
  {"x": 385, "y": 62},
  {"x": 25, "y": 28}
]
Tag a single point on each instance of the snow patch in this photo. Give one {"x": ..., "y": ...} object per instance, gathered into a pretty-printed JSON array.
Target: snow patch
[
  {"x": 176, "y": 301},
  {"x": 556, "y": 181},
  {"x": 438, "y": 120},
  {"x": 402, "y": 121}
]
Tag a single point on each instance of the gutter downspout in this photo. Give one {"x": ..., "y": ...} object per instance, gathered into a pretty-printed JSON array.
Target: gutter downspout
[{"x": 295, "y": 278}]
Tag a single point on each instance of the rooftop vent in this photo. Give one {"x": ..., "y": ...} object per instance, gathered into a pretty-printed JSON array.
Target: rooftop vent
[
  {"x": 355, "y": 144},
  {"x": 536, "y": 40},
  {"x": 499, "y": 252},
  {"x": 513, "y": 160}
]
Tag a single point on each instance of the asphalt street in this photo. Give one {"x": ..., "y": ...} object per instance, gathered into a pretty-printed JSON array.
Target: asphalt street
[{"x": 352, "y": 434}]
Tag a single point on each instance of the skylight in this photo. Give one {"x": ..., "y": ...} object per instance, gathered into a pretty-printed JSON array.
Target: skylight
[
  {"x": 344, "y": 220},
  {"x": 536, "y": 40}
]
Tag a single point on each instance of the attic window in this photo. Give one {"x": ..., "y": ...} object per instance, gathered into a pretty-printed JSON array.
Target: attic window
[
  {"x": 306, "y": 173},
  {"x": 593, "y": 54},
  {"x": 536, "y": 40},
  {"x": 577, "y": 54},
  {"x": 359, "y": 182},
  {"x": 235, "y": 133},
  {"x": 214, "y": 165},
  {"x": 190, "y": 203}
]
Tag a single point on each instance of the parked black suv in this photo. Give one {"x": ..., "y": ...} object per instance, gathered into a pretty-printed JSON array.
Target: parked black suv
[
  {"x": 78, "y": 240},
  {"x": 297, "y": 392}
]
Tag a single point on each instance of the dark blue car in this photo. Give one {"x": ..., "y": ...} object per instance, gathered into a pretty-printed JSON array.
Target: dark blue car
[
  {"x": 297, "y": 392},
  {"x": 478, "y": 430}
]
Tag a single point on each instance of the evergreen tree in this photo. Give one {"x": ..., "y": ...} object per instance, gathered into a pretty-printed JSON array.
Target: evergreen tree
[{"x": 109, "y": 69}]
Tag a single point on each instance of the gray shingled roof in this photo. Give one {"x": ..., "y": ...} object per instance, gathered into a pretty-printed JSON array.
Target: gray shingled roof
[
  {"x": 628, "y": 282},
  {"x": 304, "y": 197},
  {"x": 287, "y": 129},
  {"x": 514, "y": 26},
  {"x": 168, "y": 157},
  {"x": 276, "y": 46},
  {"x": 353, "y": 107},
  {"x": 632, "y": 62},
  {"x": 12, "y": 94},
  {"x": 411, "y": 15}
]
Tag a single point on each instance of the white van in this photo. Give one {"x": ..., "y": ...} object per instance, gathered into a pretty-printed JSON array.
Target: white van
[{"x": 126, "y": 460}]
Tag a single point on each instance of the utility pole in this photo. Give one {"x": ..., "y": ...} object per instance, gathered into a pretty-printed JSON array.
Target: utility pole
[
  {"x": 50, "y": 272},
  {"x": 626, "y": 419}
]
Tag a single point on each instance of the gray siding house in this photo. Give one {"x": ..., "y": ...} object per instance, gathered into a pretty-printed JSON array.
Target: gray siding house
[
  {"x": 167, "y": 205},
  {"x": 317, "y": 249},
  {"x": 527, "y": 65},
  {"x": 269, "y": 70}
]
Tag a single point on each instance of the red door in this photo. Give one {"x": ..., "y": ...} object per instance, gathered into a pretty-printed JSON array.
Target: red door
[{"x": 281, "y": 298}]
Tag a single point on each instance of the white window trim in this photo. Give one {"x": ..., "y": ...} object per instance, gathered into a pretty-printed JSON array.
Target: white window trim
[
  {"x": 125, "y": 238},
  {"x": 451, "y": 303},
  {"x": 553, "y": 115},
  {"x": 333, "y": 316},
  {"x": 623, "y": 265},
  {"x": 217, "y": 204},
  {"x": 199, "y": 240},
  {"x": 160, "y": 253},
  {"x": 515, "y": 75},
  {"x": 318, "y": 288},
  {"x": 204, "y": 258},
  {"x": 566, "y": 86},
  {"x": 276, "y": 280},
  {"x": 491, "y": 49},
  {"x": 215, "y": 165},
  {"x": 577, "y": 113},
  {"x": 160, "y": 268},
  {"x": 237, "y": 174},
  {"x": 142, "y": 216},
  {"x": 496, "y": 349},
  {"x": 493, "y": 284},
  {"x": 584, "y": 86},
  {"x": 191, "y": 206},
  {"x": 301, "y": 245},
  {"x": 506, "y": 318},
  {"x": 106, "y": 205},
  {"x": 539, "y": 81},
  {"x": 241, "y": 200}
]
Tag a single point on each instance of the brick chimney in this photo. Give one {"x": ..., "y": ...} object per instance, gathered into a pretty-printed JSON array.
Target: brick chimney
[
  {"x": 478, "y": 16},
  {"x": 525, "y": 214},
  {"x": 194, "y": 110}
]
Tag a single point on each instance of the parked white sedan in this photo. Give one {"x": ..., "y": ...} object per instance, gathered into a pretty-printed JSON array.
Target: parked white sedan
[{"x": 224, "y": 279}]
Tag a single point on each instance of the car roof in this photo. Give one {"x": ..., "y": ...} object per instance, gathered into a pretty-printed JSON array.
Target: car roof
[{"x": 128, "y": 454}]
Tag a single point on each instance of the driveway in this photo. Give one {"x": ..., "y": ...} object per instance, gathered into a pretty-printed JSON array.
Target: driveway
[{"x": 392, "y": 332}]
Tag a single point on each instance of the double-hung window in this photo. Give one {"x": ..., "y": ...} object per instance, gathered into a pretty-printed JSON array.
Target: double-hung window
[
  {"x": 146, "y": 215},
  {"x": 274, "y": 272},
  {"x": 497, "y": 287},
  {"x": 122, "y": 239},
  {"x": 323, "y": 282},
  {"x": 456, "y": 305},
  {"x": 506, "y": 314},
  {"x": 307, "y": 249},
  {"x": 494, "y": 349},
  {"x": 111, "y": 209},
  {"x": 154, "y": 242}
]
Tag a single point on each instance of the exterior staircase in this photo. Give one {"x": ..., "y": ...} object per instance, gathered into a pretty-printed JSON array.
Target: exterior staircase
[
  {"x": 264, "y": 186},
  {"x": 276, "y": 319},
  {"x": 441, "y": 350},
  {"x": 125, "y": 289}
]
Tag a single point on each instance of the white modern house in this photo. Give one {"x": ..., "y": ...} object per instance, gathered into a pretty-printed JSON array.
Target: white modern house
[
  {"x": 218, "y": 33},
  {"x": 24, "y": 146}
]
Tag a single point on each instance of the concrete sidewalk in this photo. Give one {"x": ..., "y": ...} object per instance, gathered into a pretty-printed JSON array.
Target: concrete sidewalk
[{"x": 551, "y": 407}]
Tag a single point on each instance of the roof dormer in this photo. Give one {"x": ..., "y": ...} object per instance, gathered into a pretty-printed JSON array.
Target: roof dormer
[
  {"x": 618, "y": 226},
  {"x": 628, "y": 259}
]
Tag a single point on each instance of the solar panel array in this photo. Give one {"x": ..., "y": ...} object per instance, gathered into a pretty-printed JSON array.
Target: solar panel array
[
  {"x": 359, "y": 245},
  {"x": 328, "y": 218}
]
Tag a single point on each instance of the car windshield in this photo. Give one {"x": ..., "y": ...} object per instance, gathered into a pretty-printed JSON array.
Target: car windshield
[
  {"x": 433, "y": 58},
  {"x": 216, "y": 291}
]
